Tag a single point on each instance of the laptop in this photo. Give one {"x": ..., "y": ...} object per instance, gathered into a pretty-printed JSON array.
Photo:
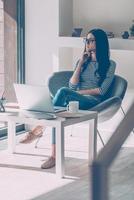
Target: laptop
[{"x": 35, "y": 101}]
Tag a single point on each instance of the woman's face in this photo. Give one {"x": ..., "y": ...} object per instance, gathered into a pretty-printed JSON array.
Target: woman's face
[{"x": 90, "y": 42}]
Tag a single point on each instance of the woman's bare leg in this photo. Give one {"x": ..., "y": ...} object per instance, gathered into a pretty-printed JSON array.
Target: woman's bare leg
[
  {"x": 32, "y": 135},
  {"x": 53, "y": 150}
]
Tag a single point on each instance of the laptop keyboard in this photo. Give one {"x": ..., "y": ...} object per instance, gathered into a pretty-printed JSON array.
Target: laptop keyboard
[
  {"x": 59, "y": 109},
  {"x": 38, "y": 115}
]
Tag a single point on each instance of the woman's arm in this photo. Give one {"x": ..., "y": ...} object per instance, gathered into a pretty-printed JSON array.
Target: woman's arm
[
  {"x": 75, "y": 77},
  {"x": 95, "y": 91},
  {"x": 74, "y": 80}
]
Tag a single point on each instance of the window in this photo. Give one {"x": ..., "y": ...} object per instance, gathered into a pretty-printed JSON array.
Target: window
[
  {"x": 12, "y": 48},
  {"x": 1, "y": 48}
]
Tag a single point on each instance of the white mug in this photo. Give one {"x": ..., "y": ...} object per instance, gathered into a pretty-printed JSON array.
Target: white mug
[{"x": 73, "y": 106}]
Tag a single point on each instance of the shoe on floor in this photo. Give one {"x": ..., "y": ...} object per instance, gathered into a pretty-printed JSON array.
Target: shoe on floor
[
  {"x": 49, "y": 163},
  {"x": 32, "y": 135}
]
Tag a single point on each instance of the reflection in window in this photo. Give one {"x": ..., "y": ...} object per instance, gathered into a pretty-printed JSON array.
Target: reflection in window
[
  {"x": 11, "y": 47},
  {"x": 2, "y": 80}
]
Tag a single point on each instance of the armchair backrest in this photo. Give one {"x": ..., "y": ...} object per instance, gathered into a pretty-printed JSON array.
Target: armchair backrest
[
  {"x": 61, "y": 79},
  {"x": 58, "y": 80},
  {"x": 117, "y": 88}
]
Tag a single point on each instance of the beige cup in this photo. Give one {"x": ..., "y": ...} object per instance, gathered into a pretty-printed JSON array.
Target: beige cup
[{"x": 73, "y": 106}]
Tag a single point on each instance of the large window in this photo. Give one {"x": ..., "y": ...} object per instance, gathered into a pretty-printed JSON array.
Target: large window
[
  {"x": 12, "y": 47},
  {"x": 2, "y": 81}
]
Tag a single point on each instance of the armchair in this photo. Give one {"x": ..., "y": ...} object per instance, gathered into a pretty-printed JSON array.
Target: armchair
[{"x": 111, "y": 102}]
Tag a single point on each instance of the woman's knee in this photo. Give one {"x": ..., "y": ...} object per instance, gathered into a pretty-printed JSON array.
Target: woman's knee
[{"x": 63, "y": 90}]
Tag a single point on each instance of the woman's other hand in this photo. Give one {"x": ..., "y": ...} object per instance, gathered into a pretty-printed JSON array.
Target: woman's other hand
[{"x": 85, "y": 56}]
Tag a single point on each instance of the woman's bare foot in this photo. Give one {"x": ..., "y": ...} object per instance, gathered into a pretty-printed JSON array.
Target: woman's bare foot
[{"x": 32, "y": 135}]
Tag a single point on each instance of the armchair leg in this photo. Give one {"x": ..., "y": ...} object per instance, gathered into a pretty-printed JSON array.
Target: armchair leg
[
  {"x": 123, "y": 111},
  {"x": 97, "y": 133},
  {"x": 72, "y": 127},
  {"x": 100, "y": 138},
  {"x": 37, "y": 142},
  {"x": 124, "y": 116}
]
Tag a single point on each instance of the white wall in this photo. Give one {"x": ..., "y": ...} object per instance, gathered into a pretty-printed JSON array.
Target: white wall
[
  {"x": 65, "y": 17},
  {"x": 125, "y": 64},
  {"x": 41, "y": 32},
  {"x": 112, "y": 15},
  {"x": 66, "y": 57}
]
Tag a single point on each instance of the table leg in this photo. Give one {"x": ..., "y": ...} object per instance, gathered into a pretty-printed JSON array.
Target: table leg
[
  {"x": 92, "y": 140},
  {"x": 60, "y": 151},
  {"x": 11, "y": 136}
]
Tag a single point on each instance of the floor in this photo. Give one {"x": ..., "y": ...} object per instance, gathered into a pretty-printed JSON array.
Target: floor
[{"x": 22, "y": 179}]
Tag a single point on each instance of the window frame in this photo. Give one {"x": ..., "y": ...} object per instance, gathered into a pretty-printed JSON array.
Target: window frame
[
  {"x": 20, "y": 56},
  {"x": 21, "y": 41}
]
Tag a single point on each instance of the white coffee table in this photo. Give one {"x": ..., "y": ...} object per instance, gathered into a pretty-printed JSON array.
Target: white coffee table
[{"x": 59, "y": 123}]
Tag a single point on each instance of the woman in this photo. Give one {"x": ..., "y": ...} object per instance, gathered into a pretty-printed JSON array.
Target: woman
[{"x": 89, "y": 83}]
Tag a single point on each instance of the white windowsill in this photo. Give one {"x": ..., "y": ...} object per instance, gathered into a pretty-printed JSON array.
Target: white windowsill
[{"x": 115, "y": 43}]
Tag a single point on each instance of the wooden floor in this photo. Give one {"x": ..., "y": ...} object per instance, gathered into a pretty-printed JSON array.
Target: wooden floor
[{"x": 22, "y": 179}]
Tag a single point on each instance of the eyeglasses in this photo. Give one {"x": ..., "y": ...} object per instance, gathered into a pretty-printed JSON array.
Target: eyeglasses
[{"x": 88, "y": 41}]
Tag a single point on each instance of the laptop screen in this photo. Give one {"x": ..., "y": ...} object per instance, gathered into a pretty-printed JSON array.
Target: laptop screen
[{"x": 33, "y": 97}]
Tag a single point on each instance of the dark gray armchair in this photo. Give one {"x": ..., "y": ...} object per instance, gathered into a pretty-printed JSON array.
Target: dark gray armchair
[{"x": 111, "y": 102}]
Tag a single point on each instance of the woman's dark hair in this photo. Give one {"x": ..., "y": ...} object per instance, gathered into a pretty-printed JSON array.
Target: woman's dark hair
[{"x": 102, "y": 52}]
